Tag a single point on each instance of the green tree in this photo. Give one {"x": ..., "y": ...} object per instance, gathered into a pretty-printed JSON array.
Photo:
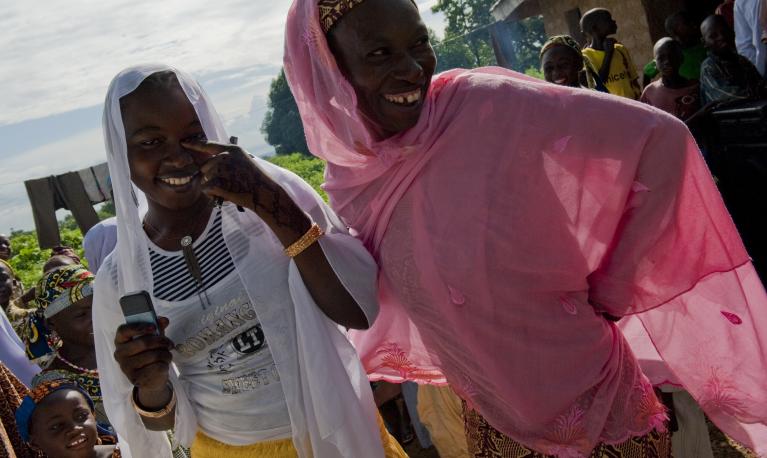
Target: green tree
[
  {"x": 282, "y": 125},
  {"x": 528, "y": 36},
  {"x": 467, "y": 22}
]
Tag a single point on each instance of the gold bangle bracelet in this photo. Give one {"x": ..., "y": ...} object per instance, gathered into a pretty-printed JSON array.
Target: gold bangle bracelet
[
  {"x": 311, "y": 236},
  {"x": 158, "y": 413}
]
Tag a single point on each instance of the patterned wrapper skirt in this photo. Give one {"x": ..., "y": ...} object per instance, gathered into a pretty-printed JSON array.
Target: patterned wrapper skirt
[{"x": 487, "y": 442}]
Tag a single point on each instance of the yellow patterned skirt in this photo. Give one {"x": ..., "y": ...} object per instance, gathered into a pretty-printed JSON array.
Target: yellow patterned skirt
[{"x": 207, "y": 447}]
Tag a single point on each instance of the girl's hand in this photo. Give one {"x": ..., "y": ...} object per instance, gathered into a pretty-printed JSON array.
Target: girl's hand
[
  {"x": 144, "y": 357},
  {"x": 231, "y": 174}
]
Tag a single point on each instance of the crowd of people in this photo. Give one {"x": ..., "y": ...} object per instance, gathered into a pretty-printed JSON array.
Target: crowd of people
[{"x": 536, "y": 284}]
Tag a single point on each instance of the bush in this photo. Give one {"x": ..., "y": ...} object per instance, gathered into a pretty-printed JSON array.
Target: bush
[{"x": 311, "y": 169}]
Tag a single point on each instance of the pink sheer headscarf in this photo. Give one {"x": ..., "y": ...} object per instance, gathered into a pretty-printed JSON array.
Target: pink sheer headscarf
[{"x": 508, "y": 219}]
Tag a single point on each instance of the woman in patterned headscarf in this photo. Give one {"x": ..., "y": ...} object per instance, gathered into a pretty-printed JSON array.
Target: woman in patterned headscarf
[
  {"x": 562, "y": 63},
  {"x": 62, "y": 328}
]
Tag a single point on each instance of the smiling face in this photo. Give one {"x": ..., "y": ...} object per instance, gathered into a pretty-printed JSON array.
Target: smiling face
[
  {"x": 717, "y": 35},
  {"x": 157, "y": 118},
  {"x": 63, "y": 425},
  {"x": 5, "y": 247},
  {"x": 74, "y": 324},
  {"x": 562, "y": 65},
  {"x": 383, "y": 49}
]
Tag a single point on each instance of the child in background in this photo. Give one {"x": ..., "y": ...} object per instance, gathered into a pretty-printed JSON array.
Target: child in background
[
  {"x": 672, "y": 93},
  {"x": 562, "y": 63},
  {"x": 683, "y": 28},
  {"x": 726, "y": 75},
  {"x": 612, "y": 59},
  {"x": 58, "y": 419}
]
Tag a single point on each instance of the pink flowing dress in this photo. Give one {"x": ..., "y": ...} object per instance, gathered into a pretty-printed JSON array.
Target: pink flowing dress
[{"x": 508, "y": 220}]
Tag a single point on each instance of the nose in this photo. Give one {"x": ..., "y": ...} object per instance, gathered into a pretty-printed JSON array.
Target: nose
[
  {"x": 178, "y": 156},
  {"x": 408, "y": 69}
]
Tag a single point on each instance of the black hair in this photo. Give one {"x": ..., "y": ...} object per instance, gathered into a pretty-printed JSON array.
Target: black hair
[
  {"x": 668, "y": 41},
  {"x": 718, "y": 20},
  {"x": 590, "y": 18}
]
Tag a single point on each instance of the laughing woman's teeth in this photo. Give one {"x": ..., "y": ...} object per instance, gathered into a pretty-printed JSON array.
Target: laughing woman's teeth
[
  {"x": 404, "y": 99},
  {"x": 77, "y": 442},
  {"x": 177, "y": 181}
]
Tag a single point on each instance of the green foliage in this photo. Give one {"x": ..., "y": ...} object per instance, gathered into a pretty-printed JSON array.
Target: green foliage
[
  {"x": 309, "y": 168},
  {"x": 534, "y": 72},
  {"x": 467, "y": 40},
  {"x": 282, "y": 125},
  {"x": 529, "y": 36},
  {"x": 456, "y": 53},
  {"x": 28, "y": 258}
]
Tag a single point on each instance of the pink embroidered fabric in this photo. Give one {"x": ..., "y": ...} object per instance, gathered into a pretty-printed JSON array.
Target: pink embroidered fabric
[{"x": 510, "y": 216}]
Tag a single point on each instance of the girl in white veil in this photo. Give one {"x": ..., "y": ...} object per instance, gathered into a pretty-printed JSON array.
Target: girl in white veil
[{"x": 250, "y": 352}]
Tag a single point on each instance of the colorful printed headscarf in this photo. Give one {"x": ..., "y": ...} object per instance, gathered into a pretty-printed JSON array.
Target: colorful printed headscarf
[
  {"x": 561, "y": 40},
  {"x": 36, "y": 396},
  {"x": 63, "y": 287},
  {"x": 333, "y": 10},
  {"x": 592, "y": 76}
]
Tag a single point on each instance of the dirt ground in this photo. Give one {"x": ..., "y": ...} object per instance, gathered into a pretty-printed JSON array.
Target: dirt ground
[{"x": 721, "y": 445}]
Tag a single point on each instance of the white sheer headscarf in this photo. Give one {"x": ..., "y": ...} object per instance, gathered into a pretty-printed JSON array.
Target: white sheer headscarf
[{"x": 331, "y": 409}]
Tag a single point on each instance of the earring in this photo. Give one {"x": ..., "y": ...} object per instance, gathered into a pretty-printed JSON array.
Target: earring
[{"x": 53, "y": 340}]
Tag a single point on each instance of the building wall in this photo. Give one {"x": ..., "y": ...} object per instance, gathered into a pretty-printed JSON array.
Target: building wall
[{"x": 633, "y": 28}]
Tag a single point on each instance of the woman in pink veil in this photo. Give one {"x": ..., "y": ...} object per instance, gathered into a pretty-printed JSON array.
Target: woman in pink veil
[{"x": 512, "y": 221}]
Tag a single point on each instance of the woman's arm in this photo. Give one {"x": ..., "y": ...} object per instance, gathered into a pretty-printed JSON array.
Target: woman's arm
[{"x": 232, "y": 175}]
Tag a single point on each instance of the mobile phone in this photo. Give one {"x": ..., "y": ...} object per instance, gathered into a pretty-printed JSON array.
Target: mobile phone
[{"x": 137, "y": 308}]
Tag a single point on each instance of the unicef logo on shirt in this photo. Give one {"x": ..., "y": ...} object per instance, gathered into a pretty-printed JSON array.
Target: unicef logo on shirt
[{"x": 226, "y": 356}]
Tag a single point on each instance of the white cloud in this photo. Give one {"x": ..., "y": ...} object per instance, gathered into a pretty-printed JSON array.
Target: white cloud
[{"x": 58, "y": 58}]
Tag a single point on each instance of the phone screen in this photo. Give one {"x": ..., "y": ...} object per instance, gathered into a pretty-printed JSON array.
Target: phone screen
[{"x": 137, "y": 308}]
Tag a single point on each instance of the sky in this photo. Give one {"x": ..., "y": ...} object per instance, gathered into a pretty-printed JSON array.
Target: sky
[{"x": 59, "y": 57}]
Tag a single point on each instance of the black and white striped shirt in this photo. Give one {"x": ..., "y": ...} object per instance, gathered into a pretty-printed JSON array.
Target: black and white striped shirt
[{"x": 172, "y": 279}]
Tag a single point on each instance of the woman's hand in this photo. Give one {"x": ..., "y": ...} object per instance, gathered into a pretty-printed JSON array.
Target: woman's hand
[
  {"x": 231, "y": 174},
  {"x": 143, "y": 356}
]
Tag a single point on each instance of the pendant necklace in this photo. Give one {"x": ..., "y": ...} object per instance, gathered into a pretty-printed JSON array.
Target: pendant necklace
[{"x": 192, "y": 263}]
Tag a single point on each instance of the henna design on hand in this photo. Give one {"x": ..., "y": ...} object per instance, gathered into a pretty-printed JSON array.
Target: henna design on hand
[{"x": 239, "y": 175}]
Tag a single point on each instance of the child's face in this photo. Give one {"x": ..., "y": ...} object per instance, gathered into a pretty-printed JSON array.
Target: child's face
[
  {"x": 716, "y": 37},
  {"x": 561, "y": 65},
  {"x": 63, "y": 426},
  {"x": 605, "y": 25},
  {"x": 668, "y": 58}
]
